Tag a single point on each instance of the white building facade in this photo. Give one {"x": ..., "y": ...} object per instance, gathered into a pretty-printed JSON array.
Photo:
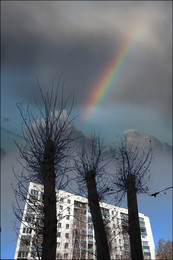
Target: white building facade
[{"x": 75, "y": 233}]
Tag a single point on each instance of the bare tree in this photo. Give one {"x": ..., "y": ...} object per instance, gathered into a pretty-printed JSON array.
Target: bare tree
[
  {"x": 79, "y": 231},
  {"x": 164, "y": 249},
  {"x": 47, "y": 144},
  {"x": 90, "y": 168},
  {"x": 132, "y": 178}
]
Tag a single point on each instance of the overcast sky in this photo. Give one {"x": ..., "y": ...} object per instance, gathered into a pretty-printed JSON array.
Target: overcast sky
[{"x": 81, "y": 38}]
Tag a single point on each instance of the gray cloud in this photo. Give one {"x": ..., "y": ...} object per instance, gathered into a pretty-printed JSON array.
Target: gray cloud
[{"x": 80, "y": 38}]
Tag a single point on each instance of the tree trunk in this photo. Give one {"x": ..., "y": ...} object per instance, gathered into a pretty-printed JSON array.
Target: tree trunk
[
  {"x": 100, "y": 234},
  {"x": 134, "y": 228},
  {"x": 49, "y": 200}
]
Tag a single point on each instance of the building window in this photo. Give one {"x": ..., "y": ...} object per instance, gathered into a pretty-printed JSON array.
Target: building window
[
  {"x": 61, "y": 207},
  {"x": 141, "y": 219},
  {"x": 41, "y": 195},
  {"x": 83, "y": 233},
  {"x": 67, "y": 217},
  {"x": 27, "y": 230},
  {"x": 66, "y": 245},
  {"x": 67, "y": 235},
  {"x": 59, "y": 256},
  {"x": 30, "y": 206},
  {"x": 105, "y": 214},
  {"x": 119, "y": 241},
  {"x": 144, "y": 243},
  {"x": 28, "y": 219},
  {"x": 68, "y": 201},
  {"x": 67, "y": 226},
  {"x": 62, "y": 199},
  {"x": 34, "y": 192},
  {"x": 25, "y": 241},
  {"x": 58, "y": 244},
  {"x": 68, "y": 209},
  {"x": 90, "y": 231},
  {"x": 59, "y": 225},
  {"x": 58, "y": 234},
  {"x": 65, "y": 256},
  {"x": 22, "y": 254},
  {"x": 60, "y": 216},
  {"x": 143, "y": 234}
]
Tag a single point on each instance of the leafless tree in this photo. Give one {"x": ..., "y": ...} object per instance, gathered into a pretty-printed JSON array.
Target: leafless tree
[
  {"x": 79, "y": 231},
  {"x": 90, "y": 168},
  {"x": 164, "y": 249},
  {"x": 47, "y": 144},
  {"x": 132, "y": 178}
]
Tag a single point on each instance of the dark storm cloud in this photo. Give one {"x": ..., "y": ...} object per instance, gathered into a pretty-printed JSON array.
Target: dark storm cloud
[
  {"x": 81, "y": 38},
  {"x": 33, "y": 33},
  {"x": 27, "y": 44}
]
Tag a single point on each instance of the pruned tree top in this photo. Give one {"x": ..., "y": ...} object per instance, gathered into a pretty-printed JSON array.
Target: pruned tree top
[
  {"x": 91, "y": 161},
  {"x": 51, "y": 121},
  {"x": 131, "y": 159}
]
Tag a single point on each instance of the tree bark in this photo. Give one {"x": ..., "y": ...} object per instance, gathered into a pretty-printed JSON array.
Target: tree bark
[
  {"x": 134, "y": 228},
  {"x": 49, "y": 200},
  {"x": 100, "y": 234}
]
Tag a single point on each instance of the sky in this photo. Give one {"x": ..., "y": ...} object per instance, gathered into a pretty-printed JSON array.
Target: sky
[{"x": 116, "y": 57}]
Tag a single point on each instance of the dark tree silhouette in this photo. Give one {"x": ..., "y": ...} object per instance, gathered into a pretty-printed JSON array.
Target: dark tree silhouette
[
  {"x": 132, "y": 178},
  {"x": 47, "y": 145},
  {"x": 90, "y": 169}
]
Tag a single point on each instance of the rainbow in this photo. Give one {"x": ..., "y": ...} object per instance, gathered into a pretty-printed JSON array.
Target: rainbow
[{"x": 109, "y": 77}]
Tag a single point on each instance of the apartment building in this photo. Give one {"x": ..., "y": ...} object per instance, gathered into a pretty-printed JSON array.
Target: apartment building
[{"x": 75, "y": 233}]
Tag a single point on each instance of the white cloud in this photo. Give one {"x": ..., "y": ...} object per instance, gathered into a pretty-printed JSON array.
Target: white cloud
[
  {"x": 143, "y": 140},
  {"x": 56, "y": 120}
]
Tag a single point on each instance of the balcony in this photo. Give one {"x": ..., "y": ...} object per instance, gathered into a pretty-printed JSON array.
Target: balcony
[
  {"x": 124, "y": 223},
  {"x": 143, "y": 234},
  {"x": 146, "y": 247},
  {"x": 90, "y": 232},
  {"x": 126, "y": 242},
  {"x": 147, "y": 253},
  {"x": 80, "y": 208},
  {"x": 90, "y": 250},
  {"x": 141, "y": 220},
  {"x": 143, "y": 229},
  {"x": 80, "y": 205},
  {"x": 90, "y": 219},
  {"x": 142, "y": 224},
  {"x": 23, "y": 248}
]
